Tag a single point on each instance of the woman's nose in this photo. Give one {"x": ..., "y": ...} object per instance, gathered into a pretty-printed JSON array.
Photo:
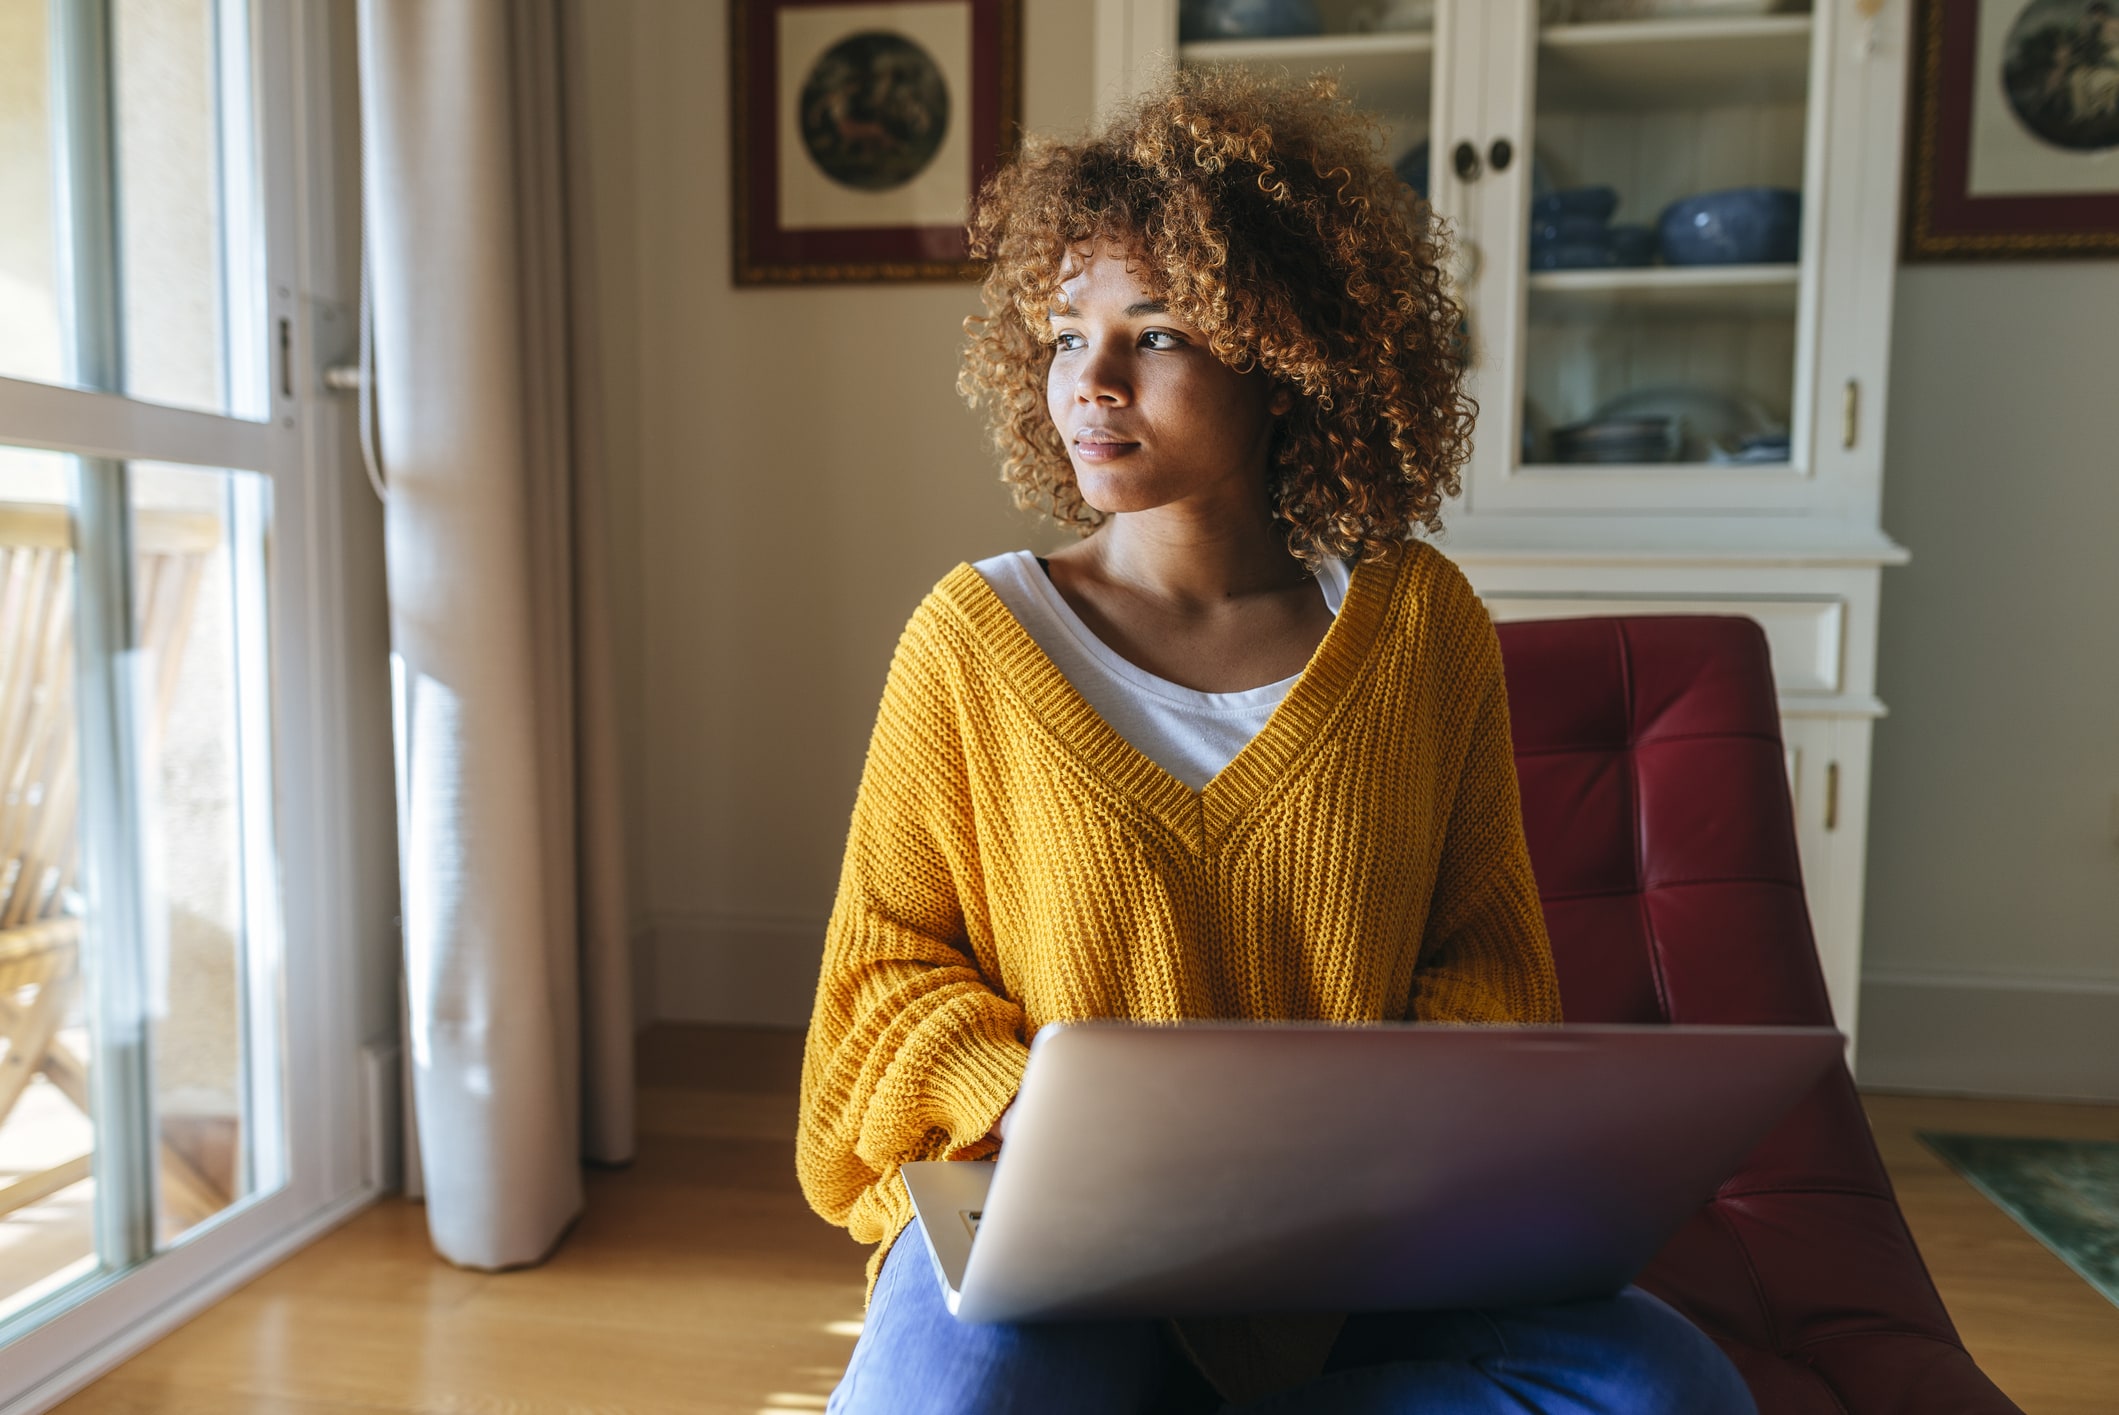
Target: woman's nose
[{"x": 1102, "y": 381}]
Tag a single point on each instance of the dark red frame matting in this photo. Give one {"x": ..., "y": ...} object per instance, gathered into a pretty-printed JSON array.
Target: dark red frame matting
[
  {"x": 766, "y": 254},
  {"x": 1944, "y": 222}
]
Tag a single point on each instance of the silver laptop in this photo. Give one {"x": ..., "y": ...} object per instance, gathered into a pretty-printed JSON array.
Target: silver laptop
[{"x": 1203, "y": 1168}]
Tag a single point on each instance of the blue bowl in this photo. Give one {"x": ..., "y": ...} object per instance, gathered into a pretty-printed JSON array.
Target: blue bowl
[
  {"x": 1595, "y": 202},
  {"x": 1741, "y": 226},
  {"x": 1247, "y": 19}
]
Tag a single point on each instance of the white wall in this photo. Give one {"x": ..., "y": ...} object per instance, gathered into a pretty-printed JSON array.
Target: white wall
[
  {"x": 1992, "y": 935},
  {"x": 795, "y": 470}
]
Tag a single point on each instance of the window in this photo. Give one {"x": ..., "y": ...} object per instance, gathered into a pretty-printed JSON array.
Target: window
[{"x": 158, "y": 509}]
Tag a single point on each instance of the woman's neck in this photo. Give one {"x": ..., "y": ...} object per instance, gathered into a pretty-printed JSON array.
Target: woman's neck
[{"x": 1189, "y": 562}]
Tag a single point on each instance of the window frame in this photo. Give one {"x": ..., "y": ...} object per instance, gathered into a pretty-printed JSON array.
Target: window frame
[{"x": 338, "y": 1096}]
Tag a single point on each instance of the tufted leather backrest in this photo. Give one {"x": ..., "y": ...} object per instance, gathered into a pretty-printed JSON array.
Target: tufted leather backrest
[{"x": 1655, "y": 802}]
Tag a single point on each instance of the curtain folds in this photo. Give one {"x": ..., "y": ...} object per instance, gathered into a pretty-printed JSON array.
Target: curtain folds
[{"x": 518, "y": 996}]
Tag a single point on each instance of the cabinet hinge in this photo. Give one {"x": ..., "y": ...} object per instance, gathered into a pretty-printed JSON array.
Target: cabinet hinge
[
  {"x": 1853, "y": 413},
  {"x": 1832, "y": 795}
]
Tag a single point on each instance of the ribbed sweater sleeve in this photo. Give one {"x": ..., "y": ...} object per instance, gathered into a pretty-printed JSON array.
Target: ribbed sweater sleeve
[
  {"x": 1484, "y": 956},
  {"x": 912, "y": 1054}
]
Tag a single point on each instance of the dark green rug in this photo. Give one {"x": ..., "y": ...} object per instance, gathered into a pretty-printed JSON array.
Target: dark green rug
[{"x": 2066, "y": 1192}]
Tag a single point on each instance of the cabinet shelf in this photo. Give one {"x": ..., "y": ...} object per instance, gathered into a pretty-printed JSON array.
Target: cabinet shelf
[
  {"x": 1649, "y": 469},
  {"x": 1391, "y": 73},
  {"x": 1662, "y": 291},
  {"x": 1648, "y": 64}
]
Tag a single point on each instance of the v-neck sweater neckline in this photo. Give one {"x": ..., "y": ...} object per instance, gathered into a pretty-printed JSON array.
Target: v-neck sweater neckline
[{"x": 1204, "y": 816}]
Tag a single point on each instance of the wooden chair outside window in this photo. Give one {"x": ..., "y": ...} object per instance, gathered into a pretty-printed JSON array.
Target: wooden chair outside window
[{"x": 40, "y": 909}]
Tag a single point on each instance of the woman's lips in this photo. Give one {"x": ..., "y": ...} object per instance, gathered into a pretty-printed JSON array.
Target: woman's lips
[{"x": 1103, "y": 451}]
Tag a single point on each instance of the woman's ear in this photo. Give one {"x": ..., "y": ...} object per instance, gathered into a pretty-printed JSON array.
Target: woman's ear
[{"x": 1281, "y": 400}]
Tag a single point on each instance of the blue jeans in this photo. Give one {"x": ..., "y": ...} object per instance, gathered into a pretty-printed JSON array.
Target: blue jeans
[{"x": 1623, "y": 1355}]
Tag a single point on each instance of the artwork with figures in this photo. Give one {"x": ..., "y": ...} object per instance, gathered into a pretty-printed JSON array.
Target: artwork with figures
[
  {"x": 2060, "y": 70},
  {"x": 862, "y": 128},
  {"x": 2015, "y": 139},
  {"x": 874, "y": 109}
]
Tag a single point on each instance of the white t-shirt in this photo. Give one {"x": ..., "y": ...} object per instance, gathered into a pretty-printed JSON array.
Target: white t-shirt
[{"x": 1190, "y": 734}]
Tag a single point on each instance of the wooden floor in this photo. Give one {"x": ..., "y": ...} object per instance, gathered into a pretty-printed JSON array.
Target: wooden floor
[
  {"x": 2043, "y": 1334},
  {"x": 699, "y": 1282}
]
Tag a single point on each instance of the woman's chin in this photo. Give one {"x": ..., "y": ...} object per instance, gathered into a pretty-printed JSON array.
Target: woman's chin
[{"x": 1112, "y": 491}]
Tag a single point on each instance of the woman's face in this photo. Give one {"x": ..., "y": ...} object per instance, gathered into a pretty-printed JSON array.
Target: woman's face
[{"x": 1150, "y": 416}]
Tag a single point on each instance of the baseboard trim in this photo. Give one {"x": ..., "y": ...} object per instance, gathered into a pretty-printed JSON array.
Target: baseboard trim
[
  {"x": 745, "y": 969},
  {"x": 1981, "y": 1034},
  {"x": 1935, "y": 1032},
  {"x": 382, "y": 1112}
]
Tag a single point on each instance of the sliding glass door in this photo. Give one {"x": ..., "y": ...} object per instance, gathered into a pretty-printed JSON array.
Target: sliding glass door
[{"x": 151, "y": 403}]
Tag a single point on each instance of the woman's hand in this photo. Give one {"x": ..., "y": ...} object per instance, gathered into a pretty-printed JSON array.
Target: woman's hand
[{"x": 999, "y": 1132}]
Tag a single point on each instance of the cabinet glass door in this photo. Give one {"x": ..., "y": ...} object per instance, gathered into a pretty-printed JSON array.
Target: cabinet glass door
[{"x": 1660, "y": 255}]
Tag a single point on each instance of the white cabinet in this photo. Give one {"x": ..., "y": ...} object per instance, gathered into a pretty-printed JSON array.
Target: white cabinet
[{"x": 1762, "y": 496}]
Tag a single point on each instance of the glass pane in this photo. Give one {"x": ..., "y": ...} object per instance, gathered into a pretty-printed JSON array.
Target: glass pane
[
  {"x": 177, "y": 170},
  {"x": 169, "y": 226},
  {"x": 47, "y": 1199},
  {"x": 31, "y": 342},
  {"x": 1666, "y": 227},
  {"x": 207, "y": 890},
  {"x": 198, "y": 576}
]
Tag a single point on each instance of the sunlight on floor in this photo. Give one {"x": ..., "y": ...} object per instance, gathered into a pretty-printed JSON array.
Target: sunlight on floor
[{"x": 50, "y": 1242}]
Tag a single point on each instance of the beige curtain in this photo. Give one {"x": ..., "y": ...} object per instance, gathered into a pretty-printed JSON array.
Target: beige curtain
[{"x": 518, "y": 1000}]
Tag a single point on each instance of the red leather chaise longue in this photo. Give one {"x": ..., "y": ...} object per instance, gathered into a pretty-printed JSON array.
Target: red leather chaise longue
[{"x": 1657, "y": 810}]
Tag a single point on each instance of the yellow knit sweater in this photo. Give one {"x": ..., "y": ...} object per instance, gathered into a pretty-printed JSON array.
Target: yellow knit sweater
[{"x": 1013, "y": 860}]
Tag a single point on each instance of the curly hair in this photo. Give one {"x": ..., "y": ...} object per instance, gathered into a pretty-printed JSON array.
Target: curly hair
[{"x": 1264, "y": 215}]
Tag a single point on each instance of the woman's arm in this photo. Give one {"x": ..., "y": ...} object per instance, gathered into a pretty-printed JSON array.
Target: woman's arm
[
  {"x": 911, "y": 1054},
  {"x": 1484, "y": 956}
]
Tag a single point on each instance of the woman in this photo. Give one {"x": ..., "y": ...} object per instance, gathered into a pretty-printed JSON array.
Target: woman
[{"x": 1240, "y": 752}]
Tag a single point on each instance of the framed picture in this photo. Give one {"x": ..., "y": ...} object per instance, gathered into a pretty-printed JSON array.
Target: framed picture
[
  {"x": 2015, "y": 130},
  {"x": 861, "y": 130}
]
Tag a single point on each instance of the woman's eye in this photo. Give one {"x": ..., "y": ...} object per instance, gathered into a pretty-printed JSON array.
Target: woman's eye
[
  {"x": 1067, "y": 339},
  {"x": 1161, "y": 339}
]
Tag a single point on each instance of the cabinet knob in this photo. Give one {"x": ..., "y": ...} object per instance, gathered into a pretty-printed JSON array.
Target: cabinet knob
[
  {"x": 1500, "y": 154},
  {"x": 1467, "y": 162}
]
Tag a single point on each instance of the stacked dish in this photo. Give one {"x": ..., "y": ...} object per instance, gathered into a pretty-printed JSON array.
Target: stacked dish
[
  {"x": 1674, "y": 424},
  {"x": 1618, "y": 440}
]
